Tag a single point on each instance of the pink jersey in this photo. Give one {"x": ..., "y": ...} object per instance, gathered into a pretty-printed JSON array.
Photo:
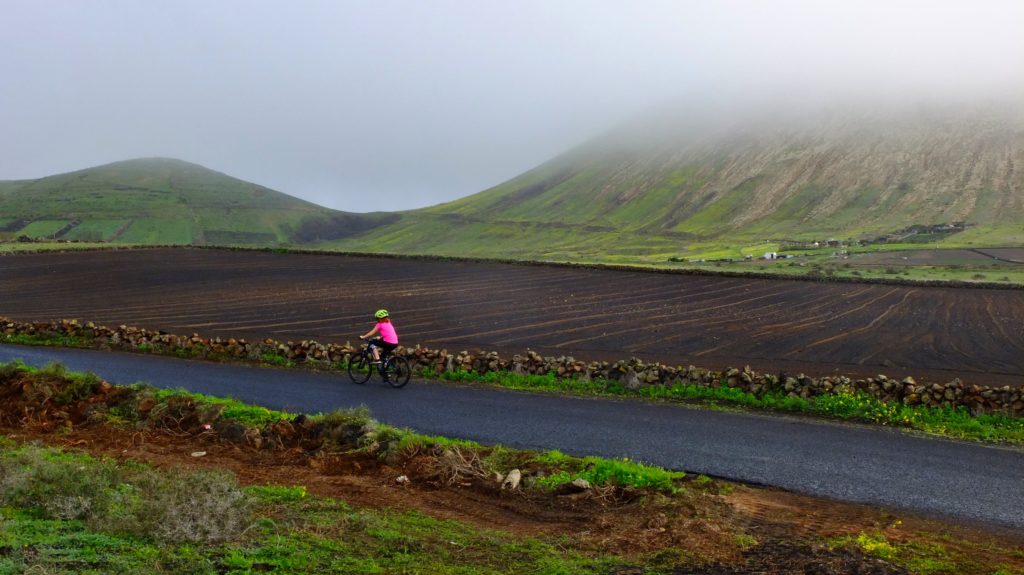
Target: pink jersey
[{"x": 387, "y": 332}]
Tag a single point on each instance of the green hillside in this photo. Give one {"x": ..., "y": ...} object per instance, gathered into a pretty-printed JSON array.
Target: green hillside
[
  {"x": 668, "y": 189},
  {"x": 165, "y": 201},
  {"x": 664, "y": 190}
]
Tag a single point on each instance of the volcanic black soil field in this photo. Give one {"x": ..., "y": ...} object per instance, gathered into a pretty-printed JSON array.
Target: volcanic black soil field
[{"x": 773, "y": 325}]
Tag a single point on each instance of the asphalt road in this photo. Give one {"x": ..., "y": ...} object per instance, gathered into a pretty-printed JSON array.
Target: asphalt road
[{"x": 845, "y": 462}]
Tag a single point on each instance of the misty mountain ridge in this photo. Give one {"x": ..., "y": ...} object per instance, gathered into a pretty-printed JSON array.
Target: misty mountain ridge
[
  {"x": 165, "y": 201},
  {"x": 659, "y": 185}
]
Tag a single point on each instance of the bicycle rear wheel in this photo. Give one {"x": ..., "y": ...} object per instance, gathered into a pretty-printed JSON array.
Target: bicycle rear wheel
[
  {"x": 398, "y": 371},
  {"x": 359, "y": 368}
]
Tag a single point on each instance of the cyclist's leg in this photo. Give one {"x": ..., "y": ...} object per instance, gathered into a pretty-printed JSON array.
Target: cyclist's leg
[{"x": 386, "y": 349}]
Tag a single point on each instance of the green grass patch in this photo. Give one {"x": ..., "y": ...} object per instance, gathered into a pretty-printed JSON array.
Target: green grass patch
[
  {"x": 71, "y": 513},
  {"x": 96, "y": 230},
  {"x": 227, "y": 408},
  {"x": 48, "y": 340},
  {"x": 42, "y": 228},
  {"x": 17, "y": 247},
  {"x": 598, "y": 471},
  {"x": 158, "y": 231},
  {"x": 53, "y": 382},
  {"x": 926, "y": 556},
  {"x": 274, "y": 358},
  {"x": 945, "y": 421},
  {"x": 122, "y": 499}
]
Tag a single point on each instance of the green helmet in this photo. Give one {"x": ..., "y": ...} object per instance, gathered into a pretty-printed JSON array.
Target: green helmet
[{"x": 381, "y": 314}]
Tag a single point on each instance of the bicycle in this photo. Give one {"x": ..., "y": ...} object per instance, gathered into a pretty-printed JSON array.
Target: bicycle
[{"x": 393, "y": 369}]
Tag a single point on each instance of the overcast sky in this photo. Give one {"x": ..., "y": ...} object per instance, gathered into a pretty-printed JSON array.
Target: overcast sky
[{"x": 421, "y": 102}]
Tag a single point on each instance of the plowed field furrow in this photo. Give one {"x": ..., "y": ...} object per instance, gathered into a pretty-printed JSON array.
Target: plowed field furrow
[
  {"x": 200, "y": 301},
  {"x": 819, "y": 308},
  {"x": 839, "y": 318},
  {"x": 949, "y": 340},
  {"x": 959, "y": 329},
  {"x": 946, "y": 330},
  {"x": 845, "y": 334},
  {"x": 998, "y": 320},
  {"x": 747, "y": 296},
  {"x": 554, "y": 330},
  {"x": 581, "y": 314},
  {"x": 596, "y": 314},
  {"x": 762, "y": 313}
]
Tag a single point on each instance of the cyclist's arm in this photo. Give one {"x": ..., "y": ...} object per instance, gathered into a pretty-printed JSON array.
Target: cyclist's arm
[{"x": 369, "y": 333}]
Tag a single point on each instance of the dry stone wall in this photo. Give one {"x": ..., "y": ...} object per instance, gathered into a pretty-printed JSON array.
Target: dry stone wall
[{"x": 630, "y": 373}]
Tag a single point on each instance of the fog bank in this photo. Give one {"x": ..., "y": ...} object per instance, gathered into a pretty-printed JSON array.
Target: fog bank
[{"x": 412, "y": 103}]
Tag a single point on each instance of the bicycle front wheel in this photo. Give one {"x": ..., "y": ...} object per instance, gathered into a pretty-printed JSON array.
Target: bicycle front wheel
[
  {"x": 359, "y": 368},
  {"x": 398, "y": 371}
]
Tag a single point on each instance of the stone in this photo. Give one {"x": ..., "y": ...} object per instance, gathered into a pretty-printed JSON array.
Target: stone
[
  {"x": 233, "y": 432},
  {"x": 512, "y": 479},
  {"x": 581, "y": 484},
  {"x": 254, "y": 438},
  {"x": 284, "y": 429},
  {"x": 630, "y": 380}
]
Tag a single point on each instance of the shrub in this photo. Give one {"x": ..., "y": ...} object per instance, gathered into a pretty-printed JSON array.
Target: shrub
[
  {"x": 54, "y": 484},
  {"x": 11, "y": 371},
  {"x": 176, "y": 506},
  {"x": 202, "y": 507},
  {"x": 55, "y": 383}
]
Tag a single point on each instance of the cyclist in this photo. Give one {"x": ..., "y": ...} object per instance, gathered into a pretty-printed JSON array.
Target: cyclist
[{"x": 388, "y": 339}]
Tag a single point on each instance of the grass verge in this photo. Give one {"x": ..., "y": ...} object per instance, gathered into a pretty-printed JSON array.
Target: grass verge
[{"x": 67, "y": 512}]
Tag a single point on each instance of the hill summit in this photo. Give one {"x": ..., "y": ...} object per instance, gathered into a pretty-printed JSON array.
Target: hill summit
[{"x": 164, "y": 201}]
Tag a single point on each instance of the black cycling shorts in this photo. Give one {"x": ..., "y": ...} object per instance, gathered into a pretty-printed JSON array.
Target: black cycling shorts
[{"x": 389, "y": 347}]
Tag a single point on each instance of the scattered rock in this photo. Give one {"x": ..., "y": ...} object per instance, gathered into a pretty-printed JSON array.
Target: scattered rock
[
  {"x": 146, "y": 405},
  {"x": 511, "y": 481},
  {"x": 580, "y": 483}
]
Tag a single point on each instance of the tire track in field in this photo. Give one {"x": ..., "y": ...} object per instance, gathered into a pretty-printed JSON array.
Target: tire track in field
[
  {"x": 999, "y": 325},
  {"x": 605, "y": 310},
  {"x": 804, "y": 326},
  {"x": 881, "y": 317},
  {"x": 952, "y": 342},
  {"x": 670, "y": 324},
  {"x": 809, "y": 306}
]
